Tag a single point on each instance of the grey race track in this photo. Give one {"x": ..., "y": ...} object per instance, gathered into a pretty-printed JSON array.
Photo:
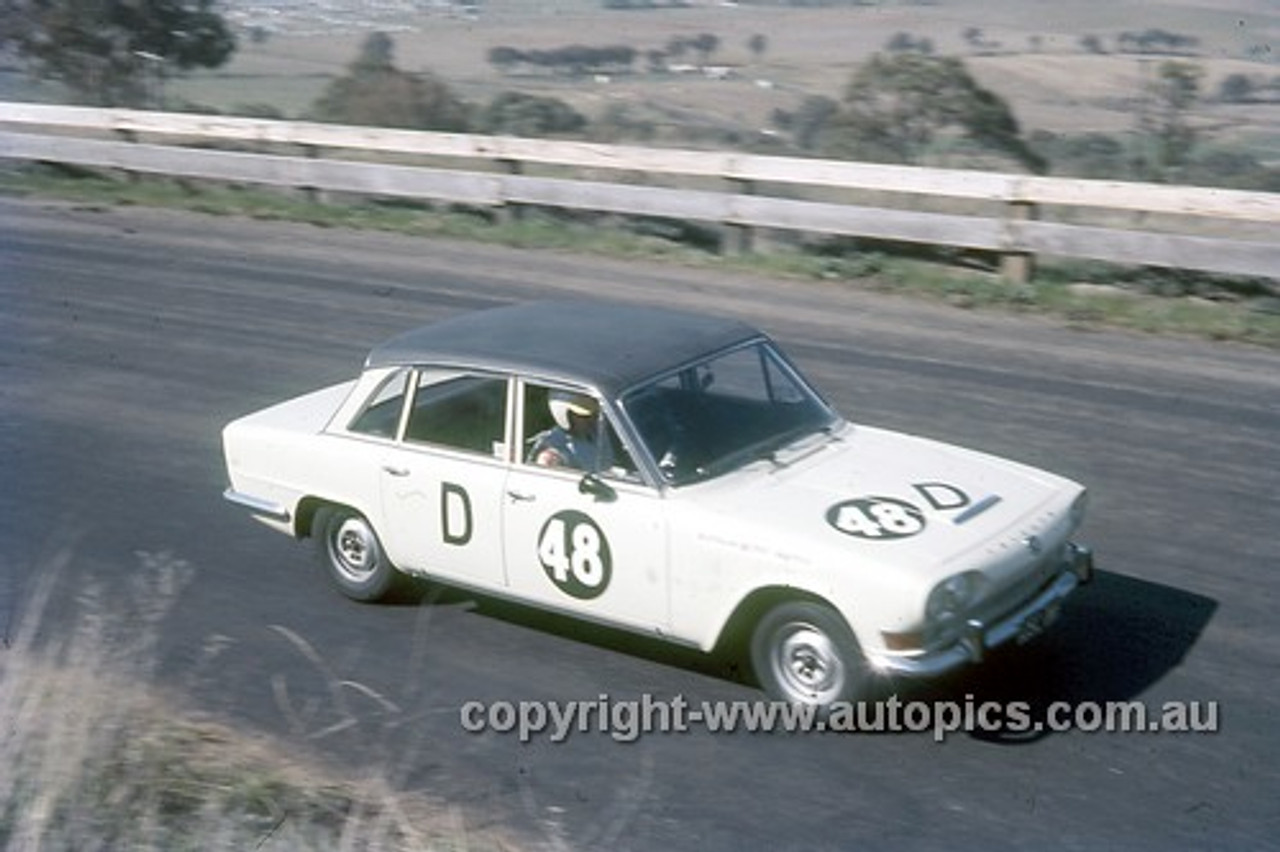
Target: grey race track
[{"x": 129, "y": 337}]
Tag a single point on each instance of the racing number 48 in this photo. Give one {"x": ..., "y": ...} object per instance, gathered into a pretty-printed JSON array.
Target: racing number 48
[
  {"x": 567, "y": 549},
  {"x": 575, "y": 554},
  {"x": 877, "y": 518}
]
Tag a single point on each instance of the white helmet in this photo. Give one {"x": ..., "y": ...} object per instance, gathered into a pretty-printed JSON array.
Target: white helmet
[{"x": 564, "y": 403}]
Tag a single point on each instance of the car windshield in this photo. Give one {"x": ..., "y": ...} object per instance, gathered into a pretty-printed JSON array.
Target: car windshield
[{"x": 716, "y": 415}]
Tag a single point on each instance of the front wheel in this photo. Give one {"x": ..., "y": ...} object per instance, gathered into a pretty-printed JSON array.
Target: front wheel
[
  {"x": 352, "y": 556},
  {"x": 804, "y": 653}
]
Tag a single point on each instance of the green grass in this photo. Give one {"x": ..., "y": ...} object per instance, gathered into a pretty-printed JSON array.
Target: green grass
[{"x": 1205, "y": 306}]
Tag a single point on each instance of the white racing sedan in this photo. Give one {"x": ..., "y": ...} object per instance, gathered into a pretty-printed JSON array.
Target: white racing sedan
[{"x": 669, "y": 473}]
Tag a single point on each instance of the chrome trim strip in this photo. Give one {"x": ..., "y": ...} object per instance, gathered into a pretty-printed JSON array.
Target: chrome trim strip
[
  {"x": 257, "y": 505},
  {"x": 976, "y": 509}
]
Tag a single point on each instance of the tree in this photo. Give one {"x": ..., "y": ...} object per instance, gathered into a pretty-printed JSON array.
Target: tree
[
  {"x": 895, "y": 107},
  {"x": 505, "y": 58},
  {"x": 807, "y": 123},
  {"x": 1087, "y": 155},
  {"x": 1237, "y": 89},
  {"x": 1156, "y": 40},
  {"x": 377, "y": 54},
  {"x": 520, "y": 114},
  {"x": 904, "y": 42},
  {"x": 624, "y": 120},
  {"x": 574, "y": 59},
  {"x": 106, "y": 51},
  {"x": 375, "y": 92},
  {"x": 977, "y": 39},
  {"x": 1091, "y": 43},
  {"x": 1174, "y": 92},
  {"x": 705, "y": 44}
]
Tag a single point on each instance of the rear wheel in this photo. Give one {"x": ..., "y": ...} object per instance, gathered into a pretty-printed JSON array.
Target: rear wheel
[
  {"x": 804, "y": 653},
  {"x": 351, "y": 554}
]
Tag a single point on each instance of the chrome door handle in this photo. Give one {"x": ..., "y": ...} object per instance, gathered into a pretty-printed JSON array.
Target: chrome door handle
[
  {"x": 395, "y": 471},
  {"x": 521, "y": 496}
]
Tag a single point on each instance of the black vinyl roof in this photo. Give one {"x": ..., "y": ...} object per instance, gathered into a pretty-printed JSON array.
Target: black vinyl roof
[{"x": 608, "y": 345}]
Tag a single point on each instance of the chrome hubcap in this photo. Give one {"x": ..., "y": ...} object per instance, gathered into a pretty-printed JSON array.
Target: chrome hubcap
[
  {"x": 354, "y": 550},
  {"x": 808, "y": 665}
]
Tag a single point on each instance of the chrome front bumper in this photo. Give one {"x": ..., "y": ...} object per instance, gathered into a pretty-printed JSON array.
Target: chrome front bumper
[{"x": 1023, "y": 624}]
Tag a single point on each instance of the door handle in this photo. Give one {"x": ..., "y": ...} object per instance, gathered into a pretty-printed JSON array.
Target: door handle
[
  {"x": 521, "y": 496},
  {"x": 395, "y": 471}
]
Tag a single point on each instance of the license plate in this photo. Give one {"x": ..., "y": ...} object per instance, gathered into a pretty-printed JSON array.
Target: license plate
[{"x": 1037, "y": 623}]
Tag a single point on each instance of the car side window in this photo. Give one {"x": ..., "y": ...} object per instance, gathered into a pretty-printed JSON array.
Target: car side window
[
  {"x": 592, "y": 447},
  {"x": 459, "y": 411},
  {"x": 381, "y": 415}
]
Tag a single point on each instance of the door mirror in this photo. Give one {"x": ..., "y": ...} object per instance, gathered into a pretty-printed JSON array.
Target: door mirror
[{"x": 597, "y": 488}]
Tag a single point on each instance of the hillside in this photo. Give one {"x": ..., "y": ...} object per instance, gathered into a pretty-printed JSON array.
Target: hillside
[{"x": 1028, "y": 51}]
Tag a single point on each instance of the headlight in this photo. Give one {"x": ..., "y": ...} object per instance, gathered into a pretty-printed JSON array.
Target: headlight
[{"x": 950, "y": 598}]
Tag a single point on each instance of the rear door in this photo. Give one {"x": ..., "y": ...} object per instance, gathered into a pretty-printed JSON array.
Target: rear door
[{"x": 442, "y": 483}]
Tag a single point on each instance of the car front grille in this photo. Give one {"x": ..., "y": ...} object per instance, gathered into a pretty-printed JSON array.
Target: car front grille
[{"x": 1023, "y": 587}]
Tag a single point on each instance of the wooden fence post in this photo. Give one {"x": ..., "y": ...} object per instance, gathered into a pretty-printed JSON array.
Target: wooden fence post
[
  {"x": 509, "y": 213},
  {"x": 314, "y": 194},
  {"x": 132, "y": 138},
  {"x": 1017, "y": 267},
  {"x": 741, "y": 239}
]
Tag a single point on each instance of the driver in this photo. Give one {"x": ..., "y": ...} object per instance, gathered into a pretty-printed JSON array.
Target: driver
[{"x": 574, "y": 442}]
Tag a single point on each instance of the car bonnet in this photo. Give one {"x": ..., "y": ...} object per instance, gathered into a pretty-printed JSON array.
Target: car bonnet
[{"x": 881, "y": 498}]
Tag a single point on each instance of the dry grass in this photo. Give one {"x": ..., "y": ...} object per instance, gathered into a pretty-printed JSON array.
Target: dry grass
[
  {"x": 1038, "y": 65},
  {"x": 96, "y": 757}
]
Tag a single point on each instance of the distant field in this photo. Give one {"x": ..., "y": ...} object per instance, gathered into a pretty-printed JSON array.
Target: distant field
[{"x": 1033, "y": 56}]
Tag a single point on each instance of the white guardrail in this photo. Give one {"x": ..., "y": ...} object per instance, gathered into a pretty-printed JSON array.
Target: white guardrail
[{"x": 1187, "y": 237}]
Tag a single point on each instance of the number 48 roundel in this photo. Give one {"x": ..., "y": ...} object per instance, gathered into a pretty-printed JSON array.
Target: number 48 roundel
[
  {"x": 575, "y": 554},
  {"x": 877, "y": 518}
]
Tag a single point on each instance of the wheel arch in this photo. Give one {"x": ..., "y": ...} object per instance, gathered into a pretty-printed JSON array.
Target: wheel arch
[
  {"x": 305, "y": 514},
  {"x": 735, "y": 635}
]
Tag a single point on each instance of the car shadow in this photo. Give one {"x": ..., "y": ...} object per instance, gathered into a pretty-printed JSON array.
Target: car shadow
[
  {"x": 1116, "y": 637},
  {"x": 722, "y": 664}
]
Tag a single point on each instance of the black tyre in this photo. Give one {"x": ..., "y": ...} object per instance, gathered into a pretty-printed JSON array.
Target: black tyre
[
  {"x": 804, "y": 653},
  {"x": 351, "y": 554}
]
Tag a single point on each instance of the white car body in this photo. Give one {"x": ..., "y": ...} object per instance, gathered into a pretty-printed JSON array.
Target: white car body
[{"x": 845, "y": 550}]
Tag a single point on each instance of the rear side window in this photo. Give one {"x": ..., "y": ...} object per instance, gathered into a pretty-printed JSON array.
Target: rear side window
[
  {"x": 381, "y": 415},
  {"x": 459, "y": 411}
]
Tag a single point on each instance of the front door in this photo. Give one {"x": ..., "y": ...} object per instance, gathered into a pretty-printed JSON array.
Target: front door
[{"x": 599, "y": 551}]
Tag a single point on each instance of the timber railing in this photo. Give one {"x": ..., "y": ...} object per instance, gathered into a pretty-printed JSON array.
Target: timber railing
[{"x": 1017, "y": 217}]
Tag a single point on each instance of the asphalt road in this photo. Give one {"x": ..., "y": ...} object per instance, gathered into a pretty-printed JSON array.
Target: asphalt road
[{"x": 129, "y": 337}]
